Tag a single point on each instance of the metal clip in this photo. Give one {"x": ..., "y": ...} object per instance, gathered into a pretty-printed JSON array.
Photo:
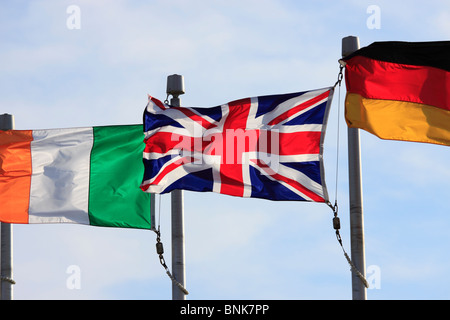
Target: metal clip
[
  {"x": 340, "y": 76},
  {"x": 159, "y": 248},
  {"x": 336, "y": 223}
]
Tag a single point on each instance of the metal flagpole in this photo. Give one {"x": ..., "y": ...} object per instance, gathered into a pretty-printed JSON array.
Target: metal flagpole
[
  {"x": 349, "y": 45},
  {"x": 175, "y": 87},
  {"x": 6, "y": 123}
]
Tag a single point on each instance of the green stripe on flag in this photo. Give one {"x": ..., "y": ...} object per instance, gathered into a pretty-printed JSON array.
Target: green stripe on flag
[{"x": 115, "y": 199}]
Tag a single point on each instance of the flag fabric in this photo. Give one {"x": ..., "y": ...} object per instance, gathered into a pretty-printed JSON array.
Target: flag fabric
[
  {"x": 400, "y": 90},
  {"x": 266, "y": 147},
  {"x": 75, "y": 175}
]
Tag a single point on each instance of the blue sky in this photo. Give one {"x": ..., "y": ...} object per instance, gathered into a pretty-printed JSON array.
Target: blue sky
[{"x": 100, "y": 74}]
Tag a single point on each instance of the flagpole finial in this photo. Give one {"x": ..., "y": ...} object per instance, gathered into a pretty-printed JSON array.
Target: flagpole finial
[
  {"x": 175, "y": 85},
  {"x": 349, "y": 45},
  {"x": 6, "y": 121}
]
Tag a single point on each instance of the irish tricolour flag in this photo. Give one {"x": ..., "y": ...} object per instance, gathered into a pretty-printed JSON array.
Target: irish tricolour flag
[{"x": 77, "y": 175}]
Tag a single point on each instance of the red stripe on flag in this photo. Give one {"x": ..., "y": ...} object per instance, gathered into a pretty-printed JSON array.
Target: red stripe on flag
[
  {"x": 238, "y": 114},
  {"x": 299, "y": 108},
  {"x": 162, "y": 142},
  {"x": 375, "y": 79},
  {"x": 195, "y": 117},
  {"x": 158, "y": 103},
  {"x": 170, "y": 168},
  {"x": 292, "y": 143},
  {"x": 307, "y": 142},
  {"x": 236, "y": 142},
  {"x": 294, "y": 184},
  {"x": 231, "y": 178}
]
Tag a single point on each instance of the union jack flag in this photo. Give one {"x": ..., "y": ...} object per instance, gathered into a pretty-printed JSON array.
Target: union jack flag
[{"x": 266, "y": 147}]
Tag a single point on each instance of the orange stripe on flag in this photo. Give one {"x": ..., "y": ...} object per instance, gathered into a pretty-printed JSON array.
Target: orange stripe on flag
[
  {"x": 398, "y": 120},
  {"x": 15, "y": 175}
]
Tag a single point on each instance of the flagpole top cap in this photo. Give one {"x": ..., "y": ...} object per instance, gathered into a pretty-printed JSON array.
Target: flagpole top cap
[
  {"x": 175, "y": 85},
  {"x": 349, "y": 45},
  {"x": 6, "y": 121}
]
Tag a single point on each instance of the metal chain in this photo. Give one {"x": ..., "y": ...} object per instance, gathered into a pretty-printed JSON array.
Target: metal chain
[
  {"x": 336, "y": 220},
  {"x": 337, "y": 226},
  {"x": 160, "y": 252},
  {"x": 167, "y": 100},
  {"x": 7, "y": 279},
  {"x": 340, "y": 76}
]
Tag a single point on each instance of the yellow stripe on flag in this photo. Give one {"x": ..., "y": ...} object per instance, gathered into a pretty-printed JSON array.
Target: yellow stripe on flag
[{"x": 398, "y": 120}]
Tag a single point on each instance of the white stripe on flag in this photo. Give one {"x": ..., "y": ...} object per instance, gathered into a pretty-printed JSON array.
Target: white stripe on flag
[{"x": 60, "y": 180}]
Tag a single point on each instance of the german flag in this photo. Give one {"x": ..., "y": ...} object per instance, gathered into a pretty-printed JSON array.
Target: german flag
[{"x": 400, "y": 90}]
